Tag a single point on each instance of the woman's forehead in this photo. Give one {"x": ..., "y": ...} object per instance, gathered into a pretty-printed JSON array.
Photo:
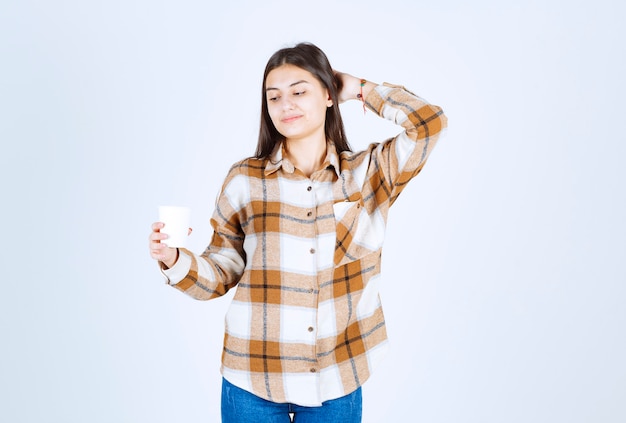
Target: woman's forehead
[{"x": 288, "y": 75}]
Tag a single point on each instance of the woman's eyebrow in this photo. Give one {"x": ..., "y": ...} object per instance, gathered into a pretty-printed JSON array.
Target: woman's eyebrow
[{"x": 290, "y": 85}]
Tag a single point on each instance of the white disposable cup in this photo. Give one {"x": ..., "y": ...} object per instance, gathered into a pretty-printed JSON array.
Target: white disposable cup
[{"x": 176, "y": 221}]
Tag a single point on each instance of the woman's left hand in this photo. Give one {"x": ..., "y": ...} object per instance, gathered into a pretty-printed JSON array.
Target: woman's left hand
[{"x": 350, "y": 87}]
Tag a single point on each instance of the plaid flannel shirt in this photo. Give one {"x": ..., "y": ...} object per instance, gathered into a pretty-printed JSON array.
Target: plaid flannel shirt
[{"x": 305, "y": 324}]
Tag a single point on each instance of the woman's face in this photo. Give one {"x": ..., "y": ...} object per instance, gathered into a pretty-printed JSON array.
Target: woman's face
[{"x": 296, "y": 102}]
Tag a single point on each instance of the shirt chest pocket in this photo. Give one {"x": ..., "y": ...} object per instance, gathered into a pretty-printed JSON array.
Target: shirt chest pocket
[{"x": 358, "y": 233}]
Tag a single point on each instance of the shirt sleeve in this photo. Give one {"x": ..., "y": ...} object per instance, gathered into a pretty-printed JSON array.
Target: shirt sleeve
[
  {"x": 394, "y": 162},
  {"x": 219, "y": 268}
]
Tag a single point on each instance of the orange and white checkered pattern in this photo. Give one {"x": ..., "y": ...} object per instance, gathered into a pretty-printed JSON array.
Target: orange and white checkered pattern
[{"x": 306, "y": 323}]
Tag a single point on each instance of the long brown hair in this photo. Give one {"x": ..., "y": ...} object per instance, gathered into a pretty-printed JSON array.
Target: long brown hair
[{"x": 310, "y": 58}]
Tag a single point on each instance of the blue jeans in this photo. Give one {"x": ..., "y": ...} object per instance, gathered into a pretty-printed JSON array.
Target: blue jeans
[{"x": 240, "y": 406}]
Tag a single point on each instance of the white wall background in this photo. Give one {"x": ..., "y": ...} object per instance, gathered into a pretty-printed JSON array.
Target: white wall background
[{"x": 504, "y": 259}]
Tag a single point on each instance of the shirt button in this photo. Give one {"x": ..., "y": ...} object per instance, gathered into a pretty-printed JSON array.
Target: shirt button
[
  {"x": 313, "y": 370},
  {"x": 312, "y": 250},
  {"x": 311, "y": 329},
  {"x": 309, "y": 214},
  {"x": 309, "y": 188},
  {"x": 311, "y": 291}
]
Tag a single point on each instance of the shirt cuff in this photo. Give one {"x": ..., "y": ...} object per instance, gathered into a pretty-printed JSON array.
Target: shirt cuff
[{"x": 177, "y": 273}]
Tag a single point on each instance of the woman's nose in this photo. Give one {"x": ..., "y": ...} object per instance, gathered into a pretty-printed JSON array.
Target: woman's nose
[{"x": 286, "y": 103}]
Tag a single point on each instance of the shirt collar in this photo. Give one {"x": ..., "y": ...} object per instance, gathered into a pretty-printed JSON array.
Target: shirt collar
[{"x": 277, "y": 159}]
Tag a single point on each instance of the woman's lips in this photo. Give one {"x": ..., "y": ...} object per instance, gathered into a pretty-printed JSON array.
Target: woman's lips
[{"x": 290, "y": 119}]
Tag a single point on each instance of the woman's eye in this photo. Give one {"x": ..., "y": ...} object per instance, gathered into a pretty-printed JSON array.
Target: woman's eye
[
  {"x": 272, "y": 98},
  {"x": 299, "y": 92}
]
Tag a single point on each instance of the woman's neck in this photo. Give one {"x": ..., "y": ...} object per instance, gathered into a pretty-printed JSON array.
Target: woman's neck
[{"x": 306, "y": 155}]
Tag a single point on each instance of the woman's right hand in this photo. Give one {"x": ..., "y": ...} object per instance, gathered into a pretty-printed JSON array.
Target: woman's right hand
[{"x": 159, "y": 250}]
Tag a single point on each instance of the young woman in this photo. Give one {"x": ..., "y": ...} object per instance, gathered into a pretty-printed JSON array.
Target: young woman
[{"x": 299, "y": 229}]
